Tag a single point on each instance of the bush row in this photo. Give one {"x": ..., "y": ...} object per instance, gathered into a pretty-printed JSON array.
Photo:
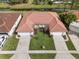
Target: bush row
[{"x": 30, "y": 7}]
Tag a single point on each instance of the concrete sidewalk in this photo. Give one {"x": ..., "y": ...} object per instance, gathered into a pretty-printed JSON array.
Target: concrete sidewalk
[
  {"x": 22, "y": 49},
  {"x": 60, "y": 45},
  {"x": 50, "y": 51},
  {"x": 75, "y": 41},
  {"x": 7, "y": 52}
]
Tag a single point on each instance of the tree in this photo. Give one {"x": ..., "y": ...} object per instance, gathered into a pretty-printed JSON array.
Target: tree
[
  {"x": 67, "y": 18},
  {"x": 72, "y": 3},
  {"x": 17, "y": 1},
  {"x": 41, "y": 1},
  {"x": 47, "y": 1}
]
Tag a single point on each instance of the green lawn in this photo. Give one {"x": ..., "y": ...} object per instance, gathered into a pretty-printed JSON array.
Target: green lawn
[
  {"x": 4, "y": 5},
  {"x": 76, "y": 56},
  {"x": 41, "y": 39},
  {"x": 70, "y": 44},
  {"x": 11, "y": 43},
  {"x": 33, "y": 6},
  {"x": 30, "y": 6},
  {"x": 42, "y": 56},
  {"x": 5, "y": 56}
]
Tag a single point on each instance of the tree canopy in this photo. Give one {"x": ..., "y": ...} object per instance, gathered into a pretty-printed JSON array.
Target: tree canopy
[
  {"x": 17, "y": 1},
  {"x": 67, "y": 18},
  {"x": 41, "y": 1}
]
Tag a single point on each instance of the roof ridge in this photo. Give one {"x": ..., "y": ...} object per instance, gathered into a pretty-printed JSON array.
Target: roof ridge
[
  {"x": 25, "y": 17},
  {"x": 54, "y": 17},
  {"x": 4, "y": 24},
  {"x": 58, "y": 22}
]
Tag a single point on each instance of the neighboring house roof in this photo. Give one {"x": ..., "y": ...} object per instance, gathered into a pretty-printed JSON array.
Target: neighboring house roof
[
  {"x": 7, "y": 20},
  {"x": 77, "y": 14},
  {"x": 48, "y": 18}
]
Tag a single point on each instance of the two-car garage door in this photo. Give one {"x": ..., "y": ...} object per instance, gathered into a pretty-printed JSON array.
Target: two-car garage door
[
  {"x": 25, "y": 33},
  {"x": 57, "y": 33},
  {"x": 51, "y": 33}
]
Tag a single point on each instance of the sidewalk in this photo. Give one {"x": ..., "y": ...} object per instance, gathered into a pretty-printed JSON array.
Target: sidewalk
[
  {"x": 60, "y": 45},
  {"x": 22, "y": 49},
  {"x": 50, "y": 51},
  {"x": 7, "y": 52}
]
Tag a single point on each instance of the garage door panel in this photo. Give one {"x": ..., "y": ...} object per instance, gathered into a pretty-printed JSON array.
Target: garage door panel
[{"x": 57, "y": 33}]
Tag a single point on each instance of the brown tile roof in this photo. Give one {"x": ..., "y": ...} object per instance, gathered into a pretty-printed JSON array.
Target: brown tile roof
[
  {"x": 49, "y": 18},
  {"x": 7, "y": 20},
  {"x": 77, "y": 14}
]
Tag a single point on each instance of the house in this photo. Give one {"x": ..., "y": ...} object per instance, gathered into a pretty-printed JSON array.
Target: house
[
  {"x": 33, "y": 20},
  {"x": 8, "y": 24},
  {"x": 74, "y": 26}
]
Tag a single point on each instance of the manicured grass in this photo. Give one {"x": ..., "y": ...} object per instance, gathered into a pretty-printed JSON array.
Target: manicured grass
[
  {"x": 76, "y": 56},
  {"x": 25, "y": 6},
  {"x": 30, "y": 6},
  {"x": 11, "y": 43},
  {"x": 5, "y": 56},
  {"x": 4, "y": 5},
  {"x": 70, "y": 44},
  {"x": 41, "y": 39},
  {"x": 42, "y": 56}
]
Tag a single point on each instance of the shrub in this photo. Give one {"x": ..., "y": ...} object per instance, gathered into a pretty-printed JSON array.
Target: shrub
[
  {"x": 4, "y": 5},
  {"x": 67, "y": 18}
]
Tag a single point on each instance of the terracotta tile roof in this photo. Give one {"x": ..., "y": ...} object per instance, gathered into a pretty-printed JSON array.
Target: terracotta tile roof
[
  {"x": 77, "y": 14},
  {"x": 7, "y": 20},
  {"x": 48, "y": 18}
]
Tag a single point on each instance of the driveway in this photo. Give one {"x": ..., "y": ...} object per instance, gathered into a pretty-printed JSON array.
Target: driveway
[
  {"x": 60, "y": 45},
  {"x": 75, "y": 40},
  {"x": 22, "y": 49}
]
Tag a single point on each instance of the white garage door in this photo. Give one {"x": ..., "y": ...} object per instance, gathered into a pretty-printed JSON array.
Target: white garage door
[
  {"x": 57, "y": 33},
  {"x": 25, "y": 33}
]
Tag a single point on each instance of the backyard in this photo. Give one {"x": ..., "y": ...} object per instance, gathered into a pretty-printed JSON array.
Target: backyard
[{"x": 42, "y": 41}]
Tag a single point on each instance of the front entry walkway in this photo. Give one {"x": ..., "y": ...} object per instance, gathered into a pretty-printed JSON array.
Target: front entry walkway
[
  {"x": 61, "y": 46},
  {"x": 22, "y": 49}
]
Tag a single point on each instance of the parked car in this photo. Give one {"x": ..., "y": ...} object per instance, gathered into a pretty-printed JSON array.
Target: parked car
[{"x": 2, "y": 40}]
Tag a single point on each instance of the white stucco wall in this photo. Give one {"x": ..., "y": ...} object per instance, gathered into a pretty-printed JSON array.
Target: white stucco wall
[
  {"x": 25, "y": 33},
  {"x": 74, "y": 28},
  {"x": 15, "y": 25},
  {"x": 57, "y": 33}
]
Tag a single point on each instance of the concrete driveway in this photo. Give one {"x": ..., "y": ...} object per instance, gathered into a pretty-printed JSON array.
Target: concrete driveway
[
  {"x": 75, "y": 40},
  {"x": 22, "y": 49},
  {"x": 61, "y": 46}
]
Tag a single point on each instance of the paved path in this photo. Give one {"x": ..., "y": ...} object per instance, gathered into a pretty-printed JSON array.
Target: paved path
[
  {"x": 22, "y": 49},
  {"x": 75, "y": 40},
  {"x": 49, "y": 51},
  {"x": 7, "y": 52},
  {"x": 61, "y": 46}
]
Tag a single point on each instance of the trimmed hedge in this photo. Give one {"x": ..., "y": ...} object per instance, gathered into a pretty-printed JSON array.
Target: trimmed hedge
[
  {"x": 25, "y": 6},
  {"x": 4, "y": 5},
  {"x": 37, "y": 7}
]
